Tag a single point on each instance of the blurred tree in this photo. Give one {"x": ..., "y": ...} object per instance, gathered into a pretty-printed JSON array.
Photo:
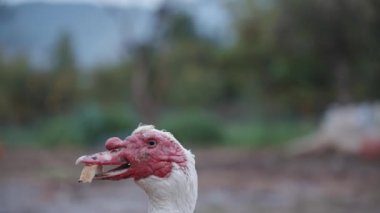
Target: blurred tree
[
  {"x": 301, "y": 55},
  {"x": 292, "y": 57},
  {"x": 142, "y": 83},
  {"x": 13, "y": 77},
  {"x": 338, "y": 33},
  {"x": 27, "y": 93},
  {"x": 109, "y": 85},
  {"x": 63, "y": 55},
  {"x": 23, "y": 91},
  {"x": 161, "y": 65},
  {"x": 64, "y": 84}
]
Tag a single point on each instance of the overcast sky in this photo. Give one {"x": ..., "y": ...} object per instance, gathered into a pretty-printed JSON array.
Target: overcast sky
[
  {"x": 210, "y": 18},
  {"x": 117, "y": 3}
]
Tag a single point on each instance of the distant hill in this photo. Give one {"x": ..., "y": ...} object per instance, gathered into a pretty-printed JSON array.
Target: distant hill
[
  {"x": 34, "y": 29},
  {"x": 99, "y": 35}
]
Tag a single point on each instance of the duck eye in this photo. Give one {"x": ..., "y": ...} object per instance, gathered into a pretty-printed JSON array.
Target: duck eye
[{"x": 152, "y": 142}]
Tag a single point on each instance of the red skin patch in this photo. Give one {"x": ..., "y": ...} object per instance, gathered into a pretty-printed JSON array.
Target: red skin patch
[
  {"x": 153, "y": 159},
  {"x": 149, "y": 152},
  {"x": 114, "y": 143}
]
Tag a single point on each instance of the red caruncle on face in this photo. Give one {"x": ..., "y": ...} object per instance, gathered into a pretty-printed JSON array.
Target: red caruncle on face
[
  {"x": 152, "y": 153},
  {"x": 144, "y": 153}
]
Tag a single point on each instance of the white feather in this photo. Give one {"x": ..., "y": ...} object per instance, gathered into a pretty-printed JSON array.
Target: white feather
[{"x": 176, "y": 193}]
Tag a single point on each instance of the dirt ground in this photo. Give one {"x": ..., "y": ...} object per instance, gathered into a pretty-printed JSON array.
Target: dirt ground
[{"x": 230, "y": 180}]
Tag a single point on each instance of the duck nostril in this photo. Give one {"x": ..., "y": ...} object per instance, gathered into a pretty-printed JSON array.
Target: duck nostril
[
  {"x": 114, "y": 150},
  {"x": 94, "y": 158}
]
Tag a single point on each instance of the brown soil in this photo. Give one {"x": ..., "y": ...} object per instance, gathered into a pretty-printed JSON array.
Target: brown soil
[{"x": 230, "y": 180}]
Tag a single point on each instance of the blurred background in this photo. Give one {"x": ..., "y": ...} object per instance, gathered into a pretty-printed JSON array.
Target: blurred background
[{"x": 277, "y": 99}]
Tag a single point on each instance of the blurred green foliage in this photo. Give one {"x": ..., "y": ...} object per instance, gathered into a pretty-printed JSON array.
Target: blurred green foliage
[
  {"x": 89, "y": 126},
  {"x": 290, "y": 60},
  {"x": 60, "y": 131},
  {"x": 264, "y": 133},
  {"x": 194, "y": 127}
]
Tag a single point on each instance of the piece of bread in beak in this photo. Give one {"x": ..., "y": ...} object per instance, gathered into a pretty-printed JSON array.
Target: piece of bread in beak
[{"x": 87, "y": 174}]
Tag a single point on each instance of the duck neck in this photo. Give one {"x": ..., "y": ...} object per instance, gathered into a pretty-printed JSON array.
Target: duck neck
[{"x": 174, "y": 194}]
